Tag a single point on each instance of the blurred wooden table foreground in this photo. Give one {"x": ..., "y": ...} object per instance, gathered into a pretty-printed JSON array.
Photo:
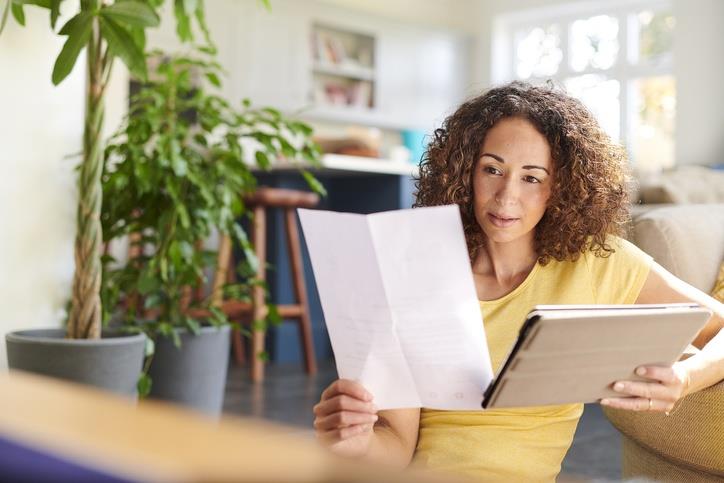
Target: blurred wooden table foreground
[{"x": 153, "y": 441}]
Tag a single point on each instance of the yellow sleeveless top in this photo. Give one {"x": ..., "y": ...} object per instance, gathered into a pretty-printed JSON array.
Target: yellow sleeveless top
[{"x": 527, "y": 444}]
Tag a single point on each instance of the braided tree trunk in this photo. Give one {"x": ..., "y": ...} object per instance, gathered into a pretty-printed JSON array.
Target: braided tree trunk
[{"x": 85, "y": 315}]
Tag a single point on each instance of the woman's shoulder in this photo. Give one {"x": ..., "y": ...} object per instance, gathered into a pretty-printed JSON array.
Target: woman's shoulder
[{"x": 613, "y": 246}]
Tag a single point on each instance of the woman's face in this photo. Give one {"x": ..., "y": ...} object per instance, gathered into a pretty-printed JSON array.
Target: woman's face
[{"x": 512, "y": 180}]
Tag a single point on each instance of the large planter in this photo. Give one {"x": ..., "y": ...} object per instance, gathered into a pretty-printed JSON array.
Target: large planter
[
  {"x": 195, "y": 373},
  {"x": 113, "y": 362}
]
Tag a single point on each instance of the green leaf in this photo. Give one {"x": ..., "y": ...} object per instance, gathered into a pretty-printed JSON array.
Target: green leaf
[
  {"x": 183, "y": 21},
  {"x": 139, "y": 37},
  {"x": 4, "y": 19},
  {"x": 213, "y": 78},
  {"x": 54, "y": 12},
  {"x": 273, "y": 317},
  {"x": 18, "y": 12},
  {"x": 267, "y": 4},
  {"x": 73, "y": 23},
  {"x": 190, "y": 5},
  {"x": 39, "y": 3},
  {"x": 201, "y": 19},
  {"x": 249, "y": 253},
  {"x": 176, "y": 339},
  {"x": 144, "y": 385},
  {"x": 78, "y": 36},
  {"x": 122, "y": 45},
  {"x": 131, "y": 13},
  {"x": 149, "y": 348},
  {"x": 314, "y": 183},
  {"x": 193, "y": 325},
  {"x": 152, "y": 300},
  {"x": 183, "y": 216},
  {"x": 262, "y": 160},
  {"x": 147, "y": 283}
]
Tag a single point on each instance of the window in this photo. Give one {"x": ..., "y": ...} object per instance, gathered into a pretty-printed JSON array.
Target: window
[{"x": 615, "y": 56}]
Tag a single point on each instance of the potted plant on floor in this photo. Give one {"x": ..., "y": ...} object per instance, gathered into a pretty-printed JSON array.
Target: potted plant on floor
[
  {"x": 176, "y": 173},
  {"x": 105, "y": 31}
]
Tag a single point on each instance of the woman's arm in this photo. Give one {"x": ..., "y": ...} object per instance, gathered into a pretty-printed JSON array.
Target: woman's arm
[
  {"x": 395, "y": 437},
  {"x": 700, "y": 371},
  {"x": 347, "y": 422}
]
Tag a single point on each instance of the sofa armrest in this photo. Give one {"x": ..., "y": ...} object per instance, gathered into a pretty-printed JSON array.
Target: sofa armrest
[{"x": 692, "y": 436}]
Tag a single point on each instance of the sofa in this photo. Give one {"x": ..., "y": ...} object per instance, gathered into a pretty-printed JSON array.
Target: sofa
[
  {"x": 684, "y": 184},
  {"x": 687, "y": 445}
]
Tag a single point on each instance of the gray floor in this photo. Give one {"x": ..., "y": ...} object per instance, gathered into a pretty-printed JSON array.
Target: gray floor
[{"x": 288, "y": 394}]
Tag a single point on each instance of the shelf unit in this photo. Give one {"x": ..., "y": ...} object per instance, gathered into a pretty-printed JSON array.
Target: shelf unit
[
  {"x": 344, "y": 164},
  {"x": 342, "y": 69}
]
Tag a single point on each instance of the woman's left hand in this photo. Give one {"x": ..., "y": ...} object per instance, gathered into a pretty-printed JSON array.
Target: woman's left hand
[{"x": 667, "y": 385}]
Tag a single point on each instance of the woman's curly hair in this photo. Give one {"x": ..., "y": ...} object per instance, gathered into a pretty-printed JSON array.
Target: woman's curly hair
[{"x": 589, "y": 196}]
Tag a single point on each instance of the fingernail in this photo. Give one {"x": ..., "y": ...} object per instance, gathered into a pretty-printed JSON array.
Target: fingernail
[
  {"x": 618, "y": 386},
  {"x": 374, "y": 408},
  {"x": 605, "y": 402},
  {"x": 641, "y": 371}
]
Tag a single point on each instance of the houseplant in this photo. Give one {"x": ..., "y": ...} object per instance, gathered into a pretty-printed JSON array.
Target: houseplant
[
  {"x": 175, "y": 173},
  {"x": 105, "y": 31}
]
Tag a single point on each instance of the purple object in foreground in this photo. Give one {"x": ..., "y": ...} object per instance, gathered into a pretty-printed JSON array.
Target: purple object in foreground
[{"x": 19, "y": 463}]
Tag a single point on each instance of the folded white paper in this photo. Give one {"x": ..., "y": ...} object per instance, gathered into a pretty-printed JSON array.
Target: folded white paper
[{"x": 400, "y": 305}]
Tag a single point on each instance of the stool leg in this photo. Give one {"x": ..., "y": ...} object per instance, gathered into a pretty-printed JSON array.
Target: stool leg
[
  {"x": 259, "y": 310},
  {"x": 238, "y": 345},
  {"x": 237, "y": 341},
  {"x": 305, "y": 325}
]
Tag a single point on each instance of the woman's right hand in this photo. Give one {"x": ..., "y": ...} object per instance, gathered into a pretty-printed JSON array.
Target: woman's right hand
[{"x": 345, "y": 417}]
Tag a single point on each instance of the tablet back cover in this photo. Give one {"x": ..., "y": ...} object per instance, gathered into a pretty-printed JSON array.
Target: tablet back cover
[{"x": 570, "y": 354}]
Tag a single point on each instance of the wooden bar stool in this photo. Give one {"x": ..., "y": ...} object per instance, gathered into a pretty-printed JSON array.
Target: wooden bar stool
[{"x": 264, "y": 198}]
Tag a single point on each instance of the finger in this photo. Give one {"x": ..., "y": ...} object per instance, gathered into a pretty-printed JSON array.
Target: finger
[
  {"x": 637, "y": 404},
  {"x": 349, "y": 387},
  {"x": 343, "y": 403},
  {"x": 341, "y": 434},
  {"x": 343, "y": 419},
  {"x": 664, "y": 374},
  {"x": 646, "y": 390}
]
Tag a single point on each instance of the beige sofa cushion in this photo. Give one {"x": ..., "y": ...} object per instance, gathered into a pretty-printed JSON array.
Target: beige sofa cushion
[
  {"x": 687, "y": 240},
  {"x": 693, "y": 184}
]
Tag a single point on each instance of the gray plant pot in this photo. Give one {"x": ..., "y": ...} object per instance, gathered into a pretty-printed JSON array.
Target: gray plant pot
[
  {"x": 113, "y": 362},
  {"x": 195, "y": 373}
]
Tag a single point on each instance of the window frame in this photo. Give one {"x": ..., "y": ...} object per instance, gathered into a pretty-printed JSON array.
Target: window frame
[{"x": 626, "y": 69}]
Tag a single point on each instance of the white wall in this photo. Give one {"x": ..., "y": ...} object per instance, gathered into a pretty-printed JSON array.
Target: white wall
[
  {"x": 39, "y": 126},
  {"x": 699, "y": 71},
  {"x": 452, "y": 14}
]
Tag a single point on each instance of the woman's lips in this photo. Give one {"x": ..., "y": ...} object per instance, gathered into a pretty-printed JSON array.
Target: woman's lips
[{"x": 501, "y": 221}]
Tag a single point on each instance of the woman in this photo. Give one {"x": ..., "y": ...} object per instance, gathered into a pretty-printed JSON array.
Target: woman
[{"x": 542, "y": 194}]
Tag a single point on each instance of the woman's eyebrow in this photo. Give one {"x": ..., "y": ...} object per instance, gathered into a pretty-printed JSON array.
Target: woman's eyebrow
[
  {"x": 494, "y": 156},
  {"x": 536, "y": 167},
  {"x": 501, "y": 160}
]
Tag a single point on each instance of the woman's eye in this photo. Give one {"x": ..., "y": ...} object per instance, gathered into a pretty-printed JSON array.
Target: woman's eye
[
  {"x": 531, "y": 179},
  {"x": 491, "y": 170}
]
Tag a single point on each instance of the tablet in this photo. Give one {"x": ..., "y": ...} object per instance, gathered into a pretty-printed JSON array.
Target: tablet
[{"x": 574, "y": 353}]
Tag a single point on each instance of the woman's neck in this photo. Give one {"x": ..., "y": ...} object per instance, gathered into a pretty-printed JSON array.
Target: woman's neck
[{"x": 505, "y": 262}]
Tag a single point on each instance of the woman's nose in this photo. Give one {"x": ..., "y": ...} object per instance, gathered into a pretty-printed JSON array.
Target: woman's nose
[{"x": 507, "y": 192}]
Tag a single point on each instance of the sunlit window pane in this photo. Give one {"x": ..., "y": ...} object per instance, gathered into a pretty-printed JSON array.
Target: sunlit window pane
[
  {"x": 601, "y": 96},
  {"x": 538, "y": 52},
  {"x": 655, "y": 35},
  {"x": 594, "y": 43},
  {"x": 652, "y": 139}
]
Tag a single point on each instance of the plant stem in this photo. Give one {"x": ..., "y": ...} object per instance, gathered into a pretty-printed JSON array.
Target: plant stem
[{"x": 85, "y": 317}]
